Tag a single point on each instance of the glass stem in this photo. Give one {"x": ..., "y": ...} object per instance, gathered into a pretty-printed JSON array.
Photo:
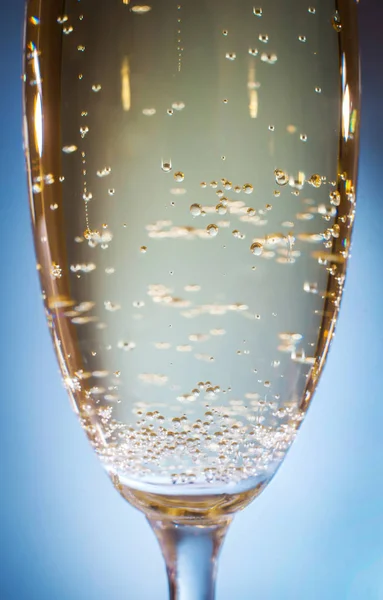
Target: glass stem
[{"x": 190, "y": 553}]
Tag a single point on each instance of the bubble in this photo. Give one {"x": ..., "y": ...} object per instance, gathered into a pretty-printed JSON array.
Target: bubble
[
  {"x": 251, "y": 212},
  {"x": 212, "y": 230},
  {"x": 196, "y": 210},
  {"x": 256, "y": 248},
  {"x": 312, "y": 10},
  {"x": 281, "y": 177},
  {"x": 253, "y": 51},
  {"x": 138, "y": 304},
  {"x": 56, "y": 271},
  {"x": 270, "y": 59},
  {"x": 213, "y": 184},
  {"x": 237, "y": 189},
  {"x": 315, "y": 180},
  {"x": 96, "y": 87},
  {"x": 166, "y": 167},
  {"x": 111, "y": 191},
  {"x": 302, "y": 38},
  {"x": 303, "y": 137},
  {"x": 203, "y": 184},
  {"x": 104, "y": 172},
  {"x": 335, "y": 198},
  {"x": 67, "y": 30},
  {"x": 336, "y": 22},
  {"x": 310, "y": 288},
  {"x": 227, "y": 184},
  {"x": 221, "y": 209},
  {"x": 236, "y": 233},
  {"x": 248, "y": 188},
  {"x": 225, "y": 32},
  {"x": 263, "y": 38},
  {"x": 231, "y": 55},
  {"x": 170, "y": 111},
  {"x": 318, "y": 90},
  {"x": 62, "y": 19},
  {"x": 179, "y": 176},
  {"x": 271, "y": 128},
  {"x": 258, "y": 12},
  {"x": 143, "y": 249}
]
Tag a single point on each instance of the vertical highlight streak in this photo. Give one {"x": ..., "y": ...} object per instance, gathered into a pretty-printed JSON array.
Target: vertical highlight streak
[
  {"x": 38, "y": 117},
  {"x": 126, "y": 96},
  {"x": 253, "y": 94}
]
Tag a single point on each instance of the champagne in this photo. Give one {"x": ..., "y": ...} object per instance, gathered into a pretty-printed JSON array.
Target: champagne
[{"x": 192, "y": 186}]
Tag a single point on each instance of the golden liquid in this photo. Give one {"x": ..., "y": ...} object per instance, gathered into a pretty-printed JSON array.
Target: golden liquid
[{"x": 192, "y": 184}]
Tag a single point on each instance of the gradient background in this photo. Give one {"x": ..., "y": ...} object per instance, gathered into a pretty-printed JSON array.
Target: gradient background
[{"x": 315, "y": 534}]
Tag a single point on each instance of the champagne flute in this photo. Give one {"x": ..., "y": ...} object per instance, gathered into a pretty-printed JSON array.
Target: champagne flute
[{"x": 192, "y": 170}]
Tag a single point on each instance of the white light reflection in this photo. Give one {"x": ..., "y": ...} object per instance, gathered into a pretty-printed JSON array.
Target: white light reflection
[
  {"x": 39, "y": 124},
  {"x": 346, "y": 113},
  {"x": 38, "y": 112},
  {"x": 346, "y": 102}
]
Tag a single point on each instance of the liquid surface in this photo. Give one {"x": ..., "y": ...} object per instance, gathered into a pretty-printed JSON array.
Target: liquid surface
[{"x": 192, "y": 181}]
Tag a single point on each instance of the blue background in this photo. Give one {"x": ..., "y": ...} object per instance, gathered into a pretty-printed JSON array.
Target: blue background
[{"x": 315, "y": 534}]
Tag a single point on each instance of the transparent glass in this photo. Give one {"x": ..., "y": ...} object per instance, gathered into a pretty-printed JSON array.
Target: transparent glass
[{"x": 192, "y": 173}]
